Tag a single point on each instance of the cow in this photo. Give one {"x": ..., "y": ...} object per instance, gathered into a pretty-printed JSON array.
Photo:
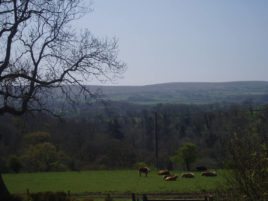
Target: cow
[
  {"x": 163, "y": 172},
  {"x": 144, "y": 170},
  {"x": 209, "y": 174},
  {"x": 170, "y": 177},
  {"x": 187, "y": 175}
]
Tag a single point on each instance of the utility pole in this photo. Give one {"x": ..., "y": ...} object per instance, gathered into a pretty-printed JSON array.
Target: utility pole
[{"x": 156, "y": 140}]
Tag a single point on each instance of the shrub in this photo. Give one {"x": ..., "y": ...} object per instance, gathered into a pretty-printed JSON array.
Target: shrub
[
  {"x": 14, "y": 164},
  {"x": 50, "y": 196}
]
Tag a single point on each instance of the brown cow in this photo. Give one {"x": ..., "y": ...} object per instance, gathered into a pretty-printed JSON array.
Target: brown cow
[
  {"x": 170, "y": 177},
  {"x": 187, "y": 175},
  {"x": 209, "y": 174},
  {"x": 144, "y": 170}
]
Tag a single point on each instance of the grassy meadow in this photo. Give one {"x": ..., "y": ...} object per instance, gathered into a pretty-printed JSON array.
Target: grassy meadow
[{"x": 114, "y": 181}]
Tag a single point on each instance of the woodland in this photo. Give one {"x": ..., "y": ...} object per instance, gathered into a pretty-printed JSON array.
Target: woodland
[{"x": 119, "y": 135}]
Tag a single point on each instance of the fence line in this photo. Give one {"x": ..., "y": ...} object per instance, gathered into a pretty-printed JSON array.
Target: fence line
[{"x": 145, "y": 198}]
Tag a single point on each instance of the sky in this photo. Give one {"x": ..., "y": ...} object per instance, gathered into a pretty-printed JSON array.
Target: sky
[{"x": 185, "y": 40}]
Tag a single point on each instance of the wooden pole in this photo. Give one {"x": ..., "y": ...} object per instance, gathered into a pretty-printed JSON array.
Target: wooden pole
[
  {"x": 28, "y": 194},
  {"x": 156, "y": 139},
  {"x": 133, "y": 197},
  {"x": 144, "y": 197}
]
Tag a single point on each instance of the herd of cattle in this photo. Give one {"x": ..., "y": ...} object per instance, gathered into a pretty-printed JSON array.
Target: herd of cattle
[{"x": 167, "y": 176}]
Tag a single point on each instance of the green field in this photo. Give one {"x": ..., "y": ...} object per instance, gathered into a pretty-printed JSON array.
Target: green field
[{"x": 116, "y": 181}]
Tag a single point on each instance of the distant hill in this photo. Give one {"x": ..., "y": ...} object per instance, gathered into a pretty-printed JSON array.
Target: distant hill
[{"x": 189, "y": 93}]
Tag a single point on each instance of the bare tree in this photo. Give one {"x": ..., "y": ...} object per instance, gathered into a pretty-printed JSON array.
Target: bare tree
[{"x": 39, "y": 51}]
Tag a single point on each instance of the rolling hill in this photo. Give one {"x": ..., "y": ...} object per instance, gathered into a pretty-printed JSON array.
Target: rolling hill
[{"x": 189, "y": 93}]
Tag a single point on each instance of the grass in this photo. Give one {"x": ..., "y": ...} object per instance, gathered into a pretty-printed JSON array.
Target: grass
[{"x": 114, "y": 181}]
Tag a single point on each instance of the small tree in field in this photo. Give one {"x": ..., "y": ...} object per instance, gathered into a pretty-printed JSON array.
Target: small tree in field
[
  {"x": 40, "y": 51},
  {"x": 186, "y": 154},
  {"x": 40, "y": 154}
]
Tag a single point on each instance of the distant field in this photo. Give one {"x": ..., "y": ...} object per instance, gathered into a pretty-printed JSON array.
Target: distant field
[{"x": 116, "y": 181}]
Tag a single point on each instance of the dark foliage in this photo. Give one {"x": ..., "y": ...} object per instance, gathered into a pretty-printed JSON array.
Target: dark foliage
[
  {"x": 50, "y": 196},
  {"x": 94, "y": 140}
]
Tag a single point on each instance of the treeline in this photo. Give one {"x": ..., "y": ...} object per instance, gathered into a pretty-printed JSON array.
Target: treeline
[{"x": 120, "y": 135}]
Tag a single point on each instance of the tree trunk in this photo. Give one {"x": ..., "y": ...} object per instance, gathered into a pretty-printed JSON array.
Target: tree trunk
[
  {"x": 4, "y": 193},
  {"x": 187, "y": 165}
]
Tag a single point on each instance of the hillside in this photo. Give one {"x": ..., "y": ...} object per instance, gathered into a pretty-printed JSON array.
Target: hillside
[{"x": 189, "y": 93}]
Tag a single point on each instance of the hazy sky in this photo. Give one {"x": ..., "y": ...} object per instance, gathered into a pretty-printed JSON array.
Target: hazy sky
[{"x": 185, "y": 40}]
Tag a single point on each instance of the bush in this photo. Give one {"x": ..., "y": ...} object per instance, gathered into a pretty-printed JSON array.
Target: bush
[
  {"x": 249, "y": 162},
  {"x": 14, "y": 164},
  {"x": 3, "y": 166},
  {"x": 50, "y": 196},
  {"x": 14, "y": 198}
]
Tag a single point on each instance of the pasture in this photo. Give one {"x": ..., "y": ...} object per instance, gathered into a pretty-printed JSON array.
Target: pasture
[{"x": 112, "y": 181}]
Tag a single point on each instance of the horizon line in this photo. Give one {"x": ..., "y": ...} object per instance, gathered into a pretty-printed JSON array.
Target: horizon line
[{"x": 174, "y": 82}]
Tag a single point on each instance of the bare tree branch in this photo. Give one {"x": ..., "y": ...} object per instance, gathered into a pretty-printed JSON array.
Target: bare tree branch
[{"x": 39, "y": 53}]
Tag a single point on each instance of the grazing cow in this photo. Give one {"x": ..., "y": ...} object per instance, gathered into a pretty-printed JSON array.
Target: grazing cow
[
  {"x": 144, "y": 170},
  {"x": 163, "y": 172},
  {"x": 201, "y": 168},
  {"x": 170, "y": 177},
  {"x": 209, "y": 174},
  {"x": 187, "y": 175}
]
